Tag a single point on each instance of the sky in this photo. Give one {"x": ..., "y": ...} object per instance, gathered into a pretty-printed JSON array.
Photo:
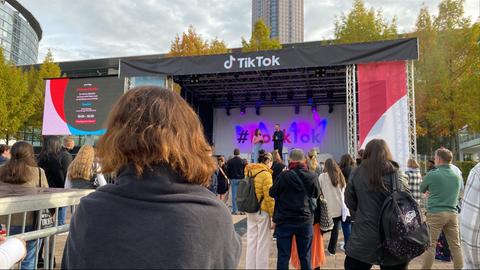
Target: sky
[{"x": 88, "y": 29}]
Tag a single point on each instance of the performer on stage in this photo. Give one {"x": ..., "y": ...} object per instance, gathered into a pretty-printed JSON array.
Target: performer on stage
[
  {"x": 257, "y": 142},
  {"x": 278, "y": 140}
]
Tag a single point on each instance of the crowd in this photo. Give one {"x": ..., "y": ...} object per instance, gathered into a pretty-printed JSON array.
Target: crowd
[{"x": 167, "y": 206}]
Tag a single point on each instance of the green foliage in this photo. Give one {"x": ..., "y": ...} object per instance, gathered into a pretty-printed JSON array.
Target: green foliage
[
  {"x": 36, "y": 86},
  {"x": 465, "y": 167},
  {"x": 362, "y": 24},
  {"x": 447, "y": 75},
  {"x": 191, "y": 43},
  {"x": 16, "y": 102},
  {"x": 260, "y": 39}
]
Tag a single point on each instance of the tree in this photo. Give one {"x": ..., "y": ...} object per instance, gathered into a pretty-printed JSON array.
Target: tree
[
  {"x": 36, "y": 85},
  {"x": 260, "y": 39},
  {"x": 447, "y": 76},
  {"x": 191, "y": 43},
  {"x": 361, "y": 25},
  {"x": 16, "y": 102}
]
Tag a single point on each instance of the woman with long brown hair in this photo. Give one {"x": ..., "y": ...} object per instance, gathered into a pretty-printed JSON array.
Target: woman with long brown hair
[
  {"x": 278, "y": 166},
  {"x": 333, "y": 184},
  {"x": 83, "y": 172},
  {"x": 22, "y": 170},
  {"x": 367, "y": 189},
  {"x": 159, "y": 213}
]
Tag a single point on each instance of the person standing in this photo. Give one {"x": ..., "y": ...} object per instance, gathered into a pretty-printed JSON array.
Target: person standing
[
  {"x": 443, "y": 186},
  {"x": 259, "y": 224},
  {"x": 223, "y": 183},
  {"x": 278, "y": 137},
  {"x": 257, "y": 142},
  {"x": 4, "y": 153},
  {"x": 470, "y": 220},
  {"x": 159, "y": 213},
  {"x": 332, "y": 184},
  {"x": 65, "y": 156},
  {"x": 347, "y": 165},
  {"x": 312, "y": 162},
  {"x": 414, "y": 179},
  {"x": 235, "y": 171},
  {"x": 367, "y": 188},
  {"x": 293, "y": 192},
  {"x": 22, "y": 170}
]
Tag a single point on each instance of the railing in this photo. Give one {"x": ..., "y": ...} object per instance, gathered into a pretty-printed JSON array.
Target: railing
[
  {"x": 20, "y": 201},
  {"x": 463, "y": 138}
]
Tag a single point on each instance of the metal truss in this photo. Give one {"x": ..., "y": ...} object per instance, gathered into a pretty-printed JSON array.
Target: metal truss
[
  {"x": 352, "y": 127},
  {"x": 412, "y": 127}
]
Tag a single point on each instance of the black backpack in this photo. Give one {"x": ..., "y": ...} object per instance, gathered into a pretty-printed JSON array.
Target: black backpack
[
  {"x": 403, "y": 233},
  {"x": 246, "y": 197}
]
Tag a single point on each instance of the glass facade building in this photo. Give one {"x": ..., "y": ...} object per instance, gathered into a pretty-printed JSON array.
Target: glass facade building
[
  {"x": 20, "y": 33},
  {"x": 283, "y": 17}
]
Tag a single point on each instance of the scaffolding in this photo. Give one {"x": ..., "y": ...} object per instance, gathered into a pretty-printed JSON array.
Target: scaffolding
[{"x": 352, "y": 126}]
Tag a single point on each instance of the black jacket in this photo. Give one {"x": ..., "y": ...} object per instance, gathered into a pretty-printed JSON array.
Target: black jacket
[
  {"x": 157, "y": 220},
  {"x": 277, "y": 168},
  {"x": 291, "y": 204},
  {"x": 236, "y": 168},
  {"x": 65, "y": 159},
  {"x": 278, "y": 143},
  {"x": 365, "y": 205},
  {"x": 53, "y": 170}
]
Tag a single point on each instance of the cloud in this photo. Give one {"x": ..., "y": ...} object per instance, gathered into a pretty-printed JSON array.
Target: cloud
[{"x": 88, "y": 29}]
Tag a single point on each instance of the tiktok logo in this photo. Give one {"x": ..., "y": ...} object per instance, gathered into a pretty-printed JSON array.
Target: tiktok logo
[{"x": 252, "y": 62}]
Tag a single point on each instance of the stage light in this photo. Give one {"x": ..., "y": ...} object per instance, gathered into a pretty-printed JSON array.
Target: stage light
[
  {"x": 320, "y": 72},
  {"x": 314, "y": 108},
  {"x": 230, "y": 96},
  {"x": 330, "y": 108},
  {"x": 274, "y": 96},
  {"x": 330, "y": 94},
  {"x": 297, "y": 109},
  {"x": 257, "y": 108},
  {"x": 263, "y": 96},
  {"x": 227, "y": 111},
  {"x": 236, "y": 75},
  {"x": 194, "y": 79},
  {"x": 247, "y": 97},
  {"x": 242, "y": 109},
  {"x": 290, "y": 94},
  {"x": 310, "y": 97}
]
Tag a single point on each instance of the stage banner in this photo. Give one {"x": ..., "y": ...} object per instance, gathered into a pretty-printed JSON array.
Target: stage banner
[
  {"x": 383, "y": 106},
  {"x": 79, "y": 106}
]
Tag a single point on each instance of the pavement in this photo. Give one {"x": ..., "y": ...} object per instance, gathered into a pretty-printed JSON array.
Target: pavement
[{"x": 240, "y": 223}]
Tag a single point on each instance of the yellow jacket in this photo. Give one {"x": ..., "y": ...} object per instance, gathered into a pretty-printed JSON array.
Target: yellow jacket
[{"x": 263, "y": 183}]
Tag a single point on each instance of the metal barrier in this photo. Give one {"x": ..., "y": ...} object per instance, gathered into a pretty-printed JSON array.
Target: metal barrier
[{"x": 19, "y": 200}]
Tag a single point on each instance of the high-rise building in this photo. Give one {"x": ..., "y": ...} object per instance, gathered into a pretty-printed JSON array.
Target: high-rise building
[
  {"x": 283, "y": 17},
  {"x": 20, "y": 33}
]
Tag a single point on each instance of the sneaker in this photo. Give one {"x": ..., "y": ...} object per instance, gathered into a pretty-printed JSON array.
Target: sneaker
[
  {"x": 330, "y": 254},
  {"x": 342, "y": 247}
]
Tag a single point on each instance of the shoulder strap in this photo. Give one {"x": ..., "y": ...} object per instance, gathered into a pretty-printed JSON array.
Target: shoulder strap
[
  {"x": 394, "y": 179},
  {"x": 39, "y": 177},
  {"x": 258, "y": 173},
  {"x": 301, "y": 182}
]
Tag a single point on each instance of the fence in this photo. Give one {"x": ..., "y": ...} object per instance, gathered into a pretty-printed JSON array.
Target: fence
[{"x": 17, "y": 201}]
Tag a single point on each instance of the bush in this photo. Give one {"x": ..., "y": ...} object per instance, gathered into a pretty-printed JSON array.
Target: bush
[{"x": 465, "y": 167}]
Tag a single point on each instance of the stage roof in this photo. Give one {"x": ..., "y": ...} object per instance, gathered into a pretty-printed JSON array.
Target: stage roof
[{"x": 295, "y": 75}]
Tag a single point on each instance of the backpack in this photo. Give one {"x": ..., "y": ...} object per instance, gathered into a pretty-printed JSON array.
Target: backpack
[
  {"x": 403, "y": 233},
  {"x": 246, "y": 197}
]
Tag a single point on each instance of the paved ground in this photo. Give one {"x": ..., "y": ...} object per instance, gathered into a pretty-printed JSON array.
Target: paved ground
[{"x": 333, "y": 262}]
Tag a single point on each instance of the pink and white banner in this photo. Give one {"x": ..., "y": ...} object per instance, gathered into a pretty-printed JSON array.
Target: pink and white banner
[{"x": 383, "y": 106}]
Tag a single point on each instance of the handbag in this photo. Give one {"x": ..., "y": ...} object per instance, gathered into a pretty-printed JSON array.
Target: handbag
[
  {"x": 326, "y": 223},
  {"x": 46, "y": 215}
]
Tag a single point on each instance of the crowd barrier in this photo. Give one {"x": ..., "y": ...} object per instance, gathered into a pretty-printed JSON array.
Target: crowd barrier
[{"x": 18, "y": 201}]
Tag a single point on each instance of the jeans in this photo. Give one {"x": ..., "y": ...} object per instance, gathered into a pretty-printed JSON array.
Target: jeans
[
  {"x": 62, "y": 214},
  {"x": 255, "y": 152},
  {"x": 234, "y": 184},
  {"x": 448, "y": 222},
  {"x": 29, "y": 260},
  {"x": 347, "y": 230},
  {"x": 303, "y": 235},
  {"x": 332, "y": 244},
  {"x": 353, "y": 264}
]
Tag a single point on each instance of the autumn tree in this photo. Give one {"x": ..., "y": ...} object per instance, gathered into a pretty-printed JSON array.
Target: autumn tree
[
  {"x": 36, "y": 86},
  {"x": 447, "y": 74},
  {"x": 361, "y": 24},
  {"x": 260, "y": 39},
  {"x": 16, "y": 103},
  {"x": 190, "y": 43}
]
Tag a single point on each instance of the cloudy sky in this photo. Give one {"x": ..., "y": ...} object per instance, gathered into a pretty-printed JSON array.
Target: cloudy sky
[{"x": 88, "y": 29}]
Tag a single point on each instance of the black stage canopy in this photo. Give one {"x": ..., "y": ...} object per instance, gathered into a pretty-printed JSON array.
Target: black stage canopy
[{"x": 279, "y": 77}]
